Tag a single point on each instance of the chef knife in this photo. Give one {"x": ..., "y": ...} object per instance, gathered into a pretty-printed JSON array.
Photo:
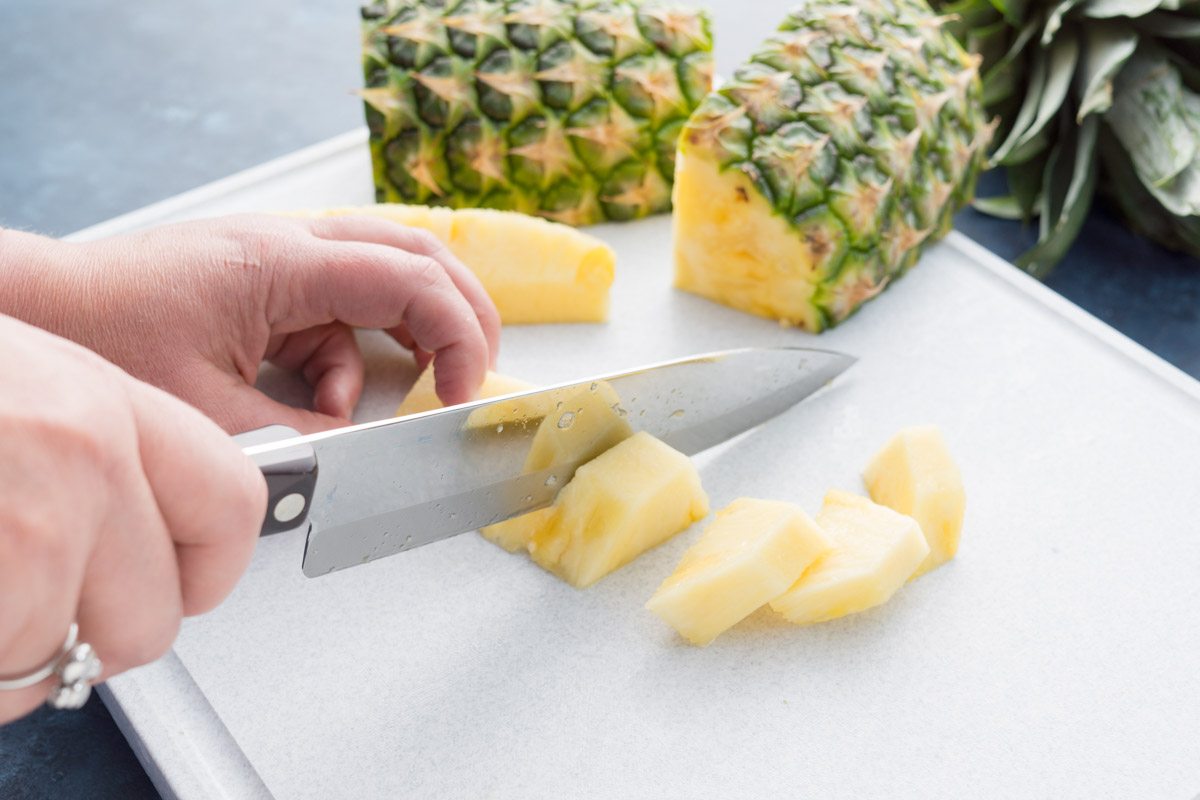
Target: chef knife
[{"x": 377, "y": 489}]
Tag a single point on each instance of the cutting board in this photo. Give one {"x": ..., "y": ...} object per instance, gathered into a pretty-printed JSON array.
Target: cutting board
[{"x": 1057, "y": 657}]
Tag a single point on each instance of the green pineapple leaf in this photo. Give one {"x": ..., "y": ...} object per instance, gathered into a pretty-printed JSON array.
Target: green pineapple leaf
[
  {"x": 1107, "y": 9},
  {"x": 1108, "y": 49},
  {"x": 1004, "y": 206},
  {"x": 1070, "y": 181},
  {"x": 1149, "y": 119}
]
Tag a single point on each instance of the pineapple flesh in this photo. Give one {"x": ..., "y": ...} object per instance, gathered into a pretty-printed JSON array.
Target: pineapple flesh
[
  {"x": 534, "y": 270},
  {"x": 813, "y": 178},
  {"x": 584, "y": 424},
  {"x": 874, "y": 552},
  {"x": 752, "y": 553},
  {"x": 423, "y": 397},
  {"x": 915, "y": 475},
  {"x": 620, "y": 504},
  {"x": 567, "y": 109}
]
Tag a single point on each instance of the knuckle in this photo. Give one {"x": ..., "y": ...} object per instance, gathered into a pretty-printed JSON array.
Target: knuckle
[
  {"x": 154, "y": 641},
  {"x": 425, "y": 242},
  {"x": 428, "y": 273}
]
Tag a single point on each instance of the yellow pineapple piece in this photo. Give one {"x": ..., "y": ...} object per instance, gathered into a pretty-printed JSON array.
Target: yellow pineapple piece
[
  {"x": 423, "y": 394},
  {"x": 515, "y": 534},
  {"x": 874, "y": 552},
  {"x": 534, "y": 270},
  {"x": 752, "y": 553},
  {"x": 914, "y": 474},
  {"x": 627, "y": 500},
  {"x": 584, "y": 424}
]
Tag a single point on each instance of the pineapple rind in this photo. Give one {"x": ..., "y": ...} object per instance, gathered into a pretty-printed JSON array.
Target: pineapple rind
[
  {"x": 494, "y": 103},
  {"x": 914, "y": 474},
  {"x": 874, "y": 552},
  {"x": 753, "y": 552},
  {"x": 859, "y": 127}
]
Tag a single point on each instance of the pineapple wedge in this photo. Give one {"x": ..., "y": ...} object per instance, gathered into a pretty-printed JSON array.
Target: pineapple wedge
[
  {"x": 914, "y": 474},
  {"x": 423, "y": 394},
  {"x": 583, "y": 425},
  {"x": 874, "y": 552},
  {"x": 620, "y": 504},
  {"x": 752, "y": 553},
  {"x": 533, "y": 269}
]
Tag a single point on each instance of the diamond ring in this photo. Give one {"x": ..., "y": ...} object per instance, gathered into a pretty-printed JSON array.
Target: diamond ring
[{"x": 76, "y": 666}]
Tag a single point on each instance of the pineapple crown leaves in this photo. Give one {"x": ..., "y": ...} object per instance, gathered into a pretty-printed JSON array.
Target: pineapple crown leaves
[{"x": 1091, "y": 95}]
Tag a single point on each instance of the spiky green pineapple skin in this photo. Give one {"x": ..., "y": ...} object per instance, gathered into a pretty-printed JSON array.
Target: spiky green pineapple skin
[
  {"x": 859, "y": 123},
  {"x": 567, "y": 109}
]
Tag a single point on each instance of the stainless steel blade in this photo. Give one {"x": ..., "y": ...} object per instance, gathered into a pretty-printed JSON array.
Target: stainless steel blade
[{"x": 393, "y": 485}]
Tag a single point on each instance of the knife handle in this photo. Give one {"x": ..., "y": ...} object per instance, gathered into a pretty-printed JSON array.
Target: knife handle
[{"x": 291, "y": 474}]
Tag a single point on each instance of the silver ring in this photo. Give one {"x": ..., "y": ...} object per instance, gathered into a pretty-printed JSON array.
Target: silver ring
[{"x": 76, "y": 666}]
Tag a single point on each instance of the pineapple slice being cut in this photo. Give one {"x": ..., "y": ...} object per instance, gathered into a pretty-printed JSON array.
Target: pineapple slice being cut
[
  {"x": 752, "y": 553},
  {"x": 813, "y": 177},
  {"x": 875, "y": 550},
  {"x": 584, "y": 423},
  {"x": 914, "y": 474},
  {"x": 534, "y": 270},
  {"x": 620, "y": 504},
  {"x": 423, "y": 394}
]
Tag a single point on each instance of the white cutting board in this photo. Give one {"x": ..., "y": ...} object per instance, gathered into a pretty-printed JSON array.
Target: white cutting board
[{"x": 1057, "y": 657}]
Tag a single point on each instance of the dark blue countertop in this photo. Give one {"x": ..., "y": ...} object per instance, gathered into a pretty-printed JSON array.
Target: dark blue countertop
[{"x": 108, "y": 105}]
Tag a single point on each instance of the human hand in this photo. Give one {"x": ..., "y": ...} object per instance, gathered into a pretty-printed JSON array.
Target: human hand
[
  {"x": 120, "y": 507},
  {"x": 195, "y": 308}
]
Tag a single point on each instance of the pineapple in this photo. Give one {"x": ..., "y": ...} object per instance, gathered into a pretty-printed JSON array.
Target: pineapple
[
  {"x": 875, "y": 550},
  {"x": 915, "y": 475},
  {"x": 583, "y": 425},
  {"x": 814, "y": 177},
  {"x": 534, "y": 270},
  {"x": 620, "y": 504},
  {"x": 751, "y": 554},
  {"x": 567, "y": 109},
  {"x": 423, "y": 394}
]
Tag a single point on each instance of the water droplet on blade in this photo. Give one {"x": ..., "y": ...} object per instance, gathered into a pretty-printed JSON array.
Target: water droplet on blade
[
  {"x": 553, "y": 479},
  {"x": 677, "y": 414},
  {"x": 566, "y": 420}
]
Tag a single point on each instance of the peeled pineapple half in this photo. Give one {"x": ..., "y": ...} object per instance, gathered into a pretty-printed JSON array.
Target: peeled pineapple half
[
  {"x": 533, "y": 269},
  {"x": 752, "y": 553},
  {"x": 915, "y": 475},
  {"x": 627, "y": 500},
  {"x": 874, "y": 552}
]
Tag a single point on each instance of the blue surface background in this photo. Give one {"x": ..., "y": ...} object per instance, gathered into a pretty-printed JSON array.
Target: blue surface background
[{"x": 108, "y": 105}]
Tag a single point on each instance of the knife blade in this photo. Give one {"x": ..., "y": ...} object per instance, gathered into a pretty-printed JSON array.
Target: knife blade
[{"x": 381, "y": 488}]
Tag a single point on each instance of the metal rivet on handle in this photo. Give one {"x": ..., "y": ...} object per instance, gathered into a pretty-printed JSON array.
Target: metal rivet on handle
[{"x": 289, "y": 507}]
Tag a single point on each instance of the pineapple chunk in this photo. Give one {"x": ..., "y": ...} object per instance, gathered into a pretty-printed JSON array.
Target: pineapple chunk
[
  {"x": 914, "y": 474},
  {"x": 751, "y": 554},
  {"x": 874, "y": 552},
  {"x": 620, "y": 504},
  {"x": 533, "y": 269},
  {"x": 423, "y": 394},
  {"x": 516, "y": 533},
  {"x": 583, "y": 425}
]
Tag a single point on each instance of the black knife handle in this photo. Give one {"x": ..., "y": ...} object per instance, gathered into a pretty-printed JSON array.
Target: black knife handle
[{"x": 291, "y": 474}]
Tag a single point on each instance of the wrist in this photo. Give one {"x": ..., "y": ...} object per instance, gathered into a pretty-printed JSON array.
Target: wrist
[{"x": 35, "y": 276}]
